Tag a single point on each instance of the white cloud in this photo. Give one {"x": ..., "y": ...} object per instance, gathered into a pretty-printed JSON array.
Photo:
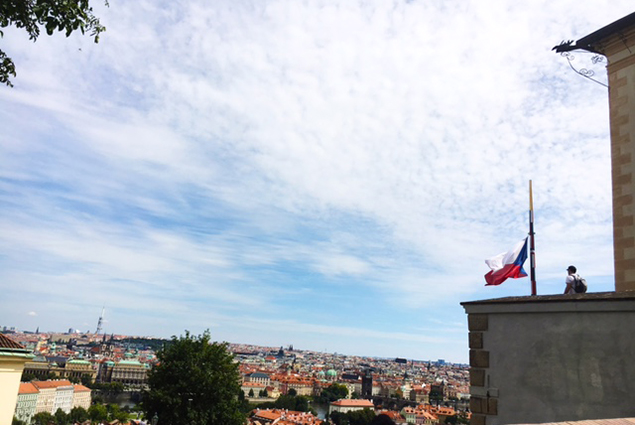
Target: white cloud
[{"x": 297, "y": 158}]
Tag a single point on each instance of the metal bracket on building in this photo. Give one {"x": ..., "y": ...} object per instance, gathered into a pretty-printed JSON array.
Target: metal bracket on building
[{"x": 586, "y": 73}]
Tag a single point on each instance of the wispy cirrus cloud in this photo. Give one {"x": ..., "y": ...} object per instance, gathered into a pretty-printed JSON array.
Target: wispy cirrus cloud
[{"x": 244, "y": 166}]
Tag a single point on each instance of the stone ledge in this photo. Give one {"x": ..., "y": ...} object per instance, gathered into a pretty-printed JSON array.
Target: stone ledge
[{"x": 598, "y": 301}]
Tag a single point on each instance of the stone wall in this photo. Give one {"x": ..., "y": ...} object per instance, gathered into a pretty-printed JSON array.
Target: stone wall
[{"x": 552, "y": 358}]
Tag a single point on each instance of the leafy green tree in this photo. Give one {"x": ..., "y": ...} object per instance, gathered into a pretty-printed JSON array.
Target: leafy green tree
[
  {"x": 86, "y": 380},
  {"x": 98, "y": 412},
  {"x": 32, "y": 15},
  {"x": 27, "y": 377},
  {"x": 49, "y": 375},
  {"x": 115, "y": 387},
  {"x": 116, "y": 413},
  {"x": 292, "y": 392},
  {"x": 78, "y": 414},
  {"x": 265, "y": 393},
  {"x": 42, "y": 418},
  {"x": 251, "y": 392},
  {"x": 333, "y": 392},
  {"x": 299, "y": 403},
  {"x": 195, "y": 381},
  {"x": 360, "y": 417},
  {"x": 241, "y": 395},
  {"x": 356, "y": 417},
  {"x": 61, "y": 418},
  {"x": 338, "y": 418},
  {"x": 17, "y": 421}
]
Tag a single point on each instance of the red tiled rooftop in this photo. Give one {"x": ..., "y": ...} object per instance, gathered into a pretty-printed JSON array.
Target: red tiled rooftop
[
  {"x": 6, "y": 342},
  {"x": 52, "y": 384},
  {"x": 253, "y": 384},
  {"x": 27, "y": 388},
  {"x": 268, "y": 414},
  {"x": 353, "y": 403}
]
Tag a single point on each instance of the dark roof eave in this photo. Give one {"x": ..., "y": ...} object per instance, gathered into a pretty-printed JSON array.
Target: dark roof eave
[
  {"x": 591, "y": 42},
  {"x": 606, "y": 32},
  {"x": 593, "y": 296}
]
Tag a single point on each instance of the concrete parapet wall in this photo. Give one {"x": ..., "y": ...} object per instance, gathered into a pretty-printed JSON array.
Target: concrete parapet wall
[{"x": 552, "y": 358}]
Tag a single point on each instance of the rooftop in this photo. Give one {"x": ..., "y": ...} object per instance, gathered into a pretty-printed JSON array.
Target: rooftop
[
  {"x": 589, "y": 296},
  {"x": 7, "y": 343},
  {"x": 607, "y": 31},
  {"x": 52, "y": 384},
  {"x": 27, "y": 388},
  {"x": 353, "y": 403}
]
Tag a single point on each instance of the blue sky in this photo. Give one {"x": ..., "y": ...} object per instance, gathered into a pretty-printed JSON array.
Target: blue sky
[{"x": 325, "y": 174}]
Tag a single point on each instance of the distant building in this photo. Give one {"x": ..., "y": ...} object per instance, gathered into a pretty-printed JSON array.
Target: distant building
[
  {"x": 38, "y": 367},
  {"x": 81, "y": 396},
  {"x": 63, "y": 397},
  {"x": 283, "y": 416},
  {"x": 61, "y": 367},
  {"x": 419, "y": 393},
  {"x": 27, "y": 402},
  {"x": 258, "y": 377},
  {"x": 348, "y": 405},
  {"x": 367, "y": 384},
  {"x": 128, "y": 372},
  {"x": 53, "y": 395},
  {"x": 419, "y": 415},
  {"x": 254, "y": 387},
  {"x": 49, "y": 396},
  {"x": 302, "y": 386},
  {"x": 77, "y": 368}
]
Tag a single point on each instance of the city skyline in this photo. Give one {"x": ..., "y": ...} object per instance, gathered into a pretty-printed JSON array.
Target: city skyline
[{"x": 323, "y": 174}]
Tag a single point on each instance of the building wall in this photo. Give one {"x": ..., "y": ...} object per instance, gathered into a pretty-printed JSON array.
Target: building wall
[
  {"x": 552, "y": 358},
  {"x": 46, "y": 400},
  {"x": 81, "y": 398},
  {"x": 63, "y": 399},
  {"x": 260, "y": 378},
  {"x": 348, "y": 408},
  {"x": 620, "y": 51},
  {"x": 25, "y": 407},
  {"x": 10, "y": 372},
  {"x": 129, "y": 374}
]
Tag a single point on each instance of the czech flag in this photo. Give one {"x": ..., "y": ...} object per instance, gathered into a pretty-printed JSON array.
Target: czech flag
[{"x": 507, "y": 264}]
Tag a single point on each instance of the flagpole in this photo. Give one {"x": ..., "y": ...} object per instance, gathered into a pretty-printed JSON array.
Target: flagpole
[{"x": 532, "y": 246}]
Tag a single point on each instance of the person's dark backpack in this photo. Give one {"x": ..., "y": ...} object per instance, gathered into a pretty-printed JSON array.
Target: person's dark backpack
[{"x": 579, "y": 284}]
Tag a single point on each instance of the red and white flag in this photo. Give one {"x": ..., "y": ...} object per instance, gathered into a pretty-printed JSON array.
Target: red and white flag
[{"x": 507, "y": 265}]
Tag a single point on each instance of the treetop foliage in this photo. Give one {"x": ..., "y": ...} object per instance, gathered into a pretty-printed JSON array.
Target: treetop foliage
[
  {"x": 31, "y": 15},
  {"x": 355, "y": 417},
  {"x": 195, "y": 381},
  {"x": 297, "y": 403},
  {"x": 332, "y": 393}
]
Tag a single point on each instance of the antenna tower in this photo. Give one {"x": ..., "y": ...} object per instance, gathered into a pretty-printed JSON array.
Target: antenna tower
[{"x": 100, "y": 321}]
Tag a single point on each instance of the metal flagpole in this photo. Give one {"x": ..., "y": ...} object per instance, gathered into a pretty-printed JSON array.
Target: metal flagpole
[{"x": 532, "y": 246}]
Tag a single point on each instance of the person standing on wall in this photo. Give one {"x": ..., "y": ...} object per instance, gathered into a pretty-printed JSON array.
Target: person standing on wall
[{"x": 575, "y": 284}]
